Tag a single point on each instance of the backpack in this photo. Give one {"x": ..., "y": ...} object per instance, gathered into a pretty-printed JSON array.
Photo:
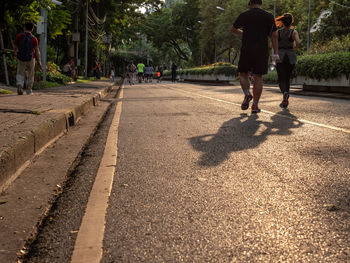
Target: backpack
[{"x": 25, "y": 49}]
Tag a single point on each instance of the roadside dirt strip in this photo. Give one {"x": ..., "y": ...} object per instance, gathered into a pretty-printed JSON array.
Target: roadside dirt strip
[{"x": 31, "y": 195}]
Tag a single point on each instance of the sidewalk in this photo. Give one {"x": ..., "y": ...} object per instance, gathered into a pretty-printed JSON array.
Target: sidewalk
[{"x": 28, "y": 123}]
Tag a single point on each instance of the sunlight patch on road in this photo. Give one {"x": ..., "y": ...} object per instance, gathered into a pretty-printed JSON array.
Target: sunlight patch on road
[{"x": 267, "y": 112}]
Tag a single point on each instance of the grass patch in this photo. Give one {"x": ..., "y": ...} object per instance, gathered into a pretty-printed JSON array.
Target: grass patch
[
  {"x": 46, "y": 85},
  {"x": 5, "y": 91},
  {"x": 82, "y": 79}
]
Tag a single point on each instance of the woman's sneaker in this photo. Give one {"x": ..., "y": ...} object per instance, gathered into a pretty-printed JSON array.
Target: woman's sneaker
[
  {"x": 245, "y": 103},
  {"x": 255, "y": 109},
  {"x": 285, "y": 102}
]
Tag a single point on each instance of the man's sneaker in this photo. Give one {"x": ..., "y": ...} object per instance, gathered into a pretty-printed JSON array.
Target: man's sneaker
[
  {"x": 19, "y": 90},
  {"x": 29, "y": 92},
  {"x": 255, "y": 109},
  {"x": 245, "y": 103}
]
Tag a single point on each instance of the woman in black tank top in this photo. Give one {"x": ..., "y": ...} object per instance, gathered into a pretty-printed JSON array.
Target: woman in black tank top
[{"x": 286, "y": 51}]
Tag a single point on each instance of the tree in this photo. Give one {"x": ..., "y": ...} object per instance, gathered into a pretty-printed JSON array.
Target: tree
[{"x": 175, "y": 28}]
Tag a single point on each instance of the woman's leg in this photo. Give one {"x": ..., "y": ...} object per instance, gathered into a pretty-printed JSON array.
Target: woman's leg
[
  {"x": 282, "y": 72},
  {"x": 289, "y": 71},
  {"x": 281, "y": 76}
]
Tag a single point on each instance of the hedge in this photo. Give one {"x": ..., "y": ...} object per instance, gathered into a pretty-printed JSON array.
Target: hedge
[
  {"x": 317, "y": 66},
  {"x": 323, "y": 66},
  {"x": 271, "y": 77},
  {"x": 219, "y": 68}
]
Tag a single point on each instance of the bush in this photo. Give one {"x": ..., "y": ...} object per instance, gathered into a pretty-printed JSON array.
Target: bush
[
  {"x": 271, "y": 77},
  {"x": 58, "y": 77},
  {"x": 54, "y": 76},
  {"x": 323, "y": 66},
  {"x": 335, "y": 45}
]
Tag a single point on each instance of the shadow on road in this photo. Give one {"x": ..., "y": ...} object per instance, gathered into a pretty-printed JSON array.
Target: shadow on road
[{"x": 241, "y": 133}]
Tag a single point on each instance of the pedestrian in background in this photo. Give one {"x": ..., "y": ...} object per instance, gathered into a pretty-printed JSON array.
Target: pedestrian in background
[
  {"x": 112, "y": 74},
  {"x": 173, "y": 72},
  {"x": 131, "y": 70},
  {"x": 255, "y": 26},
  {"x": 140, "y": 70},
  {"x": 287, "y": 36},
  {"x": 26, "y": 50},
  {"x": 97, "y": 69}
]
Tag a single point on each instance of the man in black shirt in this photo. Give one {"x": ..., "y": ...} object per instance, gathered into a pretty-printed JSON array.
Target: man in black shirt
[{"x": 255, "y": 26}]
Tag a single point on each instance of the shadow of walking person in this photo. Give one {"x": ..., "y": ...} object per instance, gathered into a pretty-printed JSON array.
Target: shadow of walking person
[
  {"x": 234, "y": 135},
  {"x": 241, "y": 133},
  {"x": 283, "y": 122}
]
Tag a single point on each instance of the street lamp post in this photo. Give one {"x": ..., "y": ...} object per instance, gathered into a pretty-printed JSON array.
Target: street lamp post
[
  {"x": 86, "y": 39},
  {"x": 221, "y": 9},
  {"x": 43, "y": 37},
  {"x": 200, "y": 22}
]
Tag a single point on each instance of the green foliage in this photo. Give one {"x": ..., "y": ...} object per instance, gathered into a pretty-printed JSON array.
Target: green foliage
[
  {"x": 337, "y": 44},
  {"x": 271, "y": 77},
  {"x": 11, "y": 68},
  {"x": 5, "y": 91},
  {"x": 175, "y": 29},
  {"x": 59, "y": 20},
  {"x": 58, "y": 77},
  {"x": 53, "y": 75},
  {"x": 323, "y": 66}
]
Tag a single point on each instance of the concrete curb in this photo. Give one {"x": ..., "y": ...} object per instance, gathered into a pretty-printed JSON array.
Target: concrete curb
[{"x": 17, "y": 157}]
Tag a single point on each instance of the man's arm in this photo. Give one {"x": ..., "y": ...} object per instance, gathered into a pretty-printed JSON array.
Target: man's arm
[
  {"x": 38, "y": 57},
  {"x": 274, "y": 39},
  {"x": 236, "y": 31}
]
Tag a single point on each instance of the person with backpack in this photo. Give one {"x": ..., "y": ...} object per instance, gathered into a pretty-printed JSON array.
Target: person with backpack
[
  {"x": 26, "y": 51},
  {"x": 286, "y": 51}
]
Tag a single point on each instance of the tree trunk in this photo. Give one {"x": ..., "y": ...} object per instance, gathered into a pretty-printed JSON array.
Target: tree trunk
[{"x": 4, "y": 59}]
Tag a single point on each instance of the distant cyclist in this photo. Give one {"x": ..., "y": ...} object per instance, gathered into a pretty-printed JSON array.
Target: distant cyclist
[
  {"x": 286, "y": 51},
  {"x": 140, "y": 69}
]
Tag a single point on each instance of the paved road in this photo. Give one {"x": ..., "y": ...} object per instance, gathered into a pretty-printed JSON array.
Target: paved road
[{"x": 199, "y": 180}]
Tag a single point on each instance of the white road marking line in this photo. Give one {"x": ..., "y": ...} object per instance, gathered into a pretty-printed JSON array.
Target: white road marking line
[
  {"x": 270, "y": 112},
  {"x": 89, "y": 244}
]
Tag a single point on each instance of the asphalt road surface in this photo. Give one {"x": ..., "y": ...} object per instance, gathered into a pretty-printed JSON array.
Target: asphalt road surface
[{"x": 199, "y": 180}]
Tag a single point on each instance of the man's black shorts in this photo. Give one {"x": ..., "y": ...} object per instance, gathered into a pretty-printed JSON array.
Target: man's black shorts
[{"x": 253, "y": 61}]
